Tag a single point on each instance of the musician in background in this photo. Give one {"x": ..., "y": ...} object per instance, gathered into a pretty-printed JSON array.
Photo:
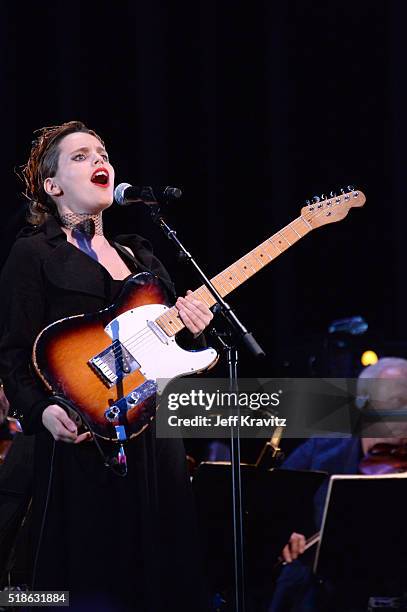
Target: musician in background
[
  {"x": 380, "y": 386},
  {"x": 16, "y": 478},
  {"x": 4, "y": 424},
  {"x": 115, "y": 543},
  {"x": 4, "y": 405}
]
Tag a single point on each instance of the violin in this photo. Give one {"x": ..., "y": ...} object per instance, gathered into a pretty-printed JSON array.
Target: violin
[{"x": 384, "y": 458}]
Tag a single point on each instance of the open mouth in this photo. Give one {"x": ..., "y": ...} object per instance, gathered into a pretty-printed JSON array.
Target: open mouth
[{"x": 100, "y": 177}]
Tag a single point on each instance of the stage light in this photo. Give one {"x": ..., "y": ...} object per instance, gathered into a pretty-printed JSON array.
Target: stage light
[{"x": 369, "y": 358}]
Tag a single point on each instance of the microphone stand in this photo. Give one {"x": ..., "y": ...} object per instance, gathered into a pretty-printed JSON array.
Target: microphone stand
[{"x": 238, "y": 334}]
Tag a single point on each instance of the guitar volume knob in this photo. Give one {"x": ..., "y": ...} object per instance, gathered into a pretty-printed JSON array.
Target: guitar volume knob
[
  {"x": 112, "y": 414},
  {"x": 133, "y": 397}
]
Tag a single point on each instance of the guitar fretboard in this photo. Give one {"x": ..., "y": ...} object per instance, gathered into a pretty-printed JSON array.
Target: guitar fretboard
[{"x": 240, "y": 271}]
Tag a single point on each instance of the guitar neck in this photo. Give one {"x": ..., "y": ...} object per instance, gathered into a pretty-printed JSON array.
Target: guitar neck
[{"x": 241, "y": 270}]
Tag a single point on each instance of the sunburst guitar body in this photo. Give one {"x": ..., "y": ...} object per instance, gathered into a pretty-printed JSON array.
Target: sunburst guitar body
[{"x": 108, "y": 364}]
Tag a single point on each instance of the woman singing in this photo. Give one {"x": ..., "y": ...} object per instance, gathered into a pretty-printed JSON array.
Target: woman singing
[{"x": 114, "y": 543}]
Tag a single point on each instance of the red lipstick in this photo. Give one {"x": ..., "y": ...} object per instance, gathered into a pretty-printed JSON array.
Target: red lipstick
[{"x": 100, "y": 177}]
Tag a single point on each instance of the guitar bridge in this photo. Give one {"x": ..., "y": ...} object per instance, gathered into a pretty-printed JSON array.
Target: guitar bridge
[{"x": 113, "y": 364}]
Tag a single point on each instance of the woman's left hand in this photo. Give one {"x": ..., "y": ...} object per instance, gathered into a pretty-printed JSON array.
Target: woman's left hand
[{"x": 194, "y": 314}]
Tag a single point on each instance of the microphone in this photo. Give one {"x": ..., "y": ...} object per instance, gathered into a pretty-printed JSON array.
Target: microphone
[{"x": 126, "y": 194}]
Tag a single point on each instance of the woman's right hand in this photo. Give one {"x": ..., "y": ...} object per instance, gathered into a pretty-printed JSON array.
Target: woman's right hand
[{"x": 62, "y": 428}]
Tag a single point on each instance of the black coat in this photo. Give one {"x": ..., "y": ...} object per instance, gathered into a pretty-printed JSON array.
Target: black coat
[
  {"x": 45, "y": 279},
  {"x": 126, "y": 540}
]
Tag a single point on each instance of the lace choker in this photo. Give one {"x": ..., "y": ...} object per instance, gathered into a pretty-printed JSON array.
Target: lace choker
[{"x": 83, "y": 222}]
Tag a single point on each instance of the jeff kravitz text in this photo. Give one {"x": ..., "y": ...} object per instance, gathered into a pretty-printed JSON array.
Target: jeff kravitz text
[{"x": 229, "y": 421}]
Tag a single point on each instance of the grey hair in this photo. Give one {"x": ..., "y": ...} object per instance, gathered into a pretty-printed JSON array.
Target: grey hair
[{"x": 379, "y": 370}]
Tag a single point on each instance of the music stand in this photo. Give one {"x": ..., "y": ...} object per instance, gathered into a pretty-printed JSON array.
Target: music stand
[
  {"x": 275, "y": 503},
  {"x": 364, "y": 531}
]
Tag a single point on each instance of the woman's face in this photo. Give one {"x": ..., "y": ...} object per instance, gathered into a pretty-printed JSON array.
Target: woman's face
[{"x": 84, "y": 180}]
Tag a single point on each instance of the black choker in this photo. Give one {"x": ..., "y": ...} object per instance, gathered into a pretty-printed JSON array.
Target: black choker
[{"x": 83, "y": 222}]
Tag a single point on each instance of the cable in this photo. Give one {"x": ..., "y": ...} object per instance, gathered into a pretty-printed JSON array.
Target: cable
[
  {"x": 117, "y": 464},
  {"x": 51, "y": 472},
  {"x": 111, "y": 462}
]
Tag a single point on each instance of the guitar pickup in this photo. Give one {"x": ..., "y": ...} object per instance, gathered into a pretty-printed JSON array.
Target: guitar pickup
[{"x": 113, "y": 364}]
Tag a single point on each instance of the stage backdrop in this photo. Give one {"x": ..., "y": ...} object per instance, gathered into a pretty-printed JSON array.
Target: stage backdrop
[{"x": 250, "y": 107}]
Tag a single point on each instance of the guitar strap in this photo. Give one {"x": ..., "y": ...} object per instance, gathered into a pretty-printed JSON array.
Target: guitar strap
[
  {"x": 129, "y": 254},
  {"x": 143, "y": 268}
]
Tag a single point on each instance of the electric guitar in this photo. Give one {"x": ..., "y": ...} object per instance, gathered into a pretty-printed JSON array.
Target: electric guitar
[{"x": 106, "y": 365}]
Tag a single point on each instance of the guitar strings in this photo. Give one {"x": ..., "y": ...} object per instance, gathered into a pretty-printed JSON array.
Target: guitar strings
[{"x": 137, "y": 339}]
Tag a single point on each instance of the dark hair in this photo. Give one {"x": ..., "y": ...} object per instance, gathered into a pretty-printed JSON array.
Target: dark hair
[{"x": 43, "y": 163}]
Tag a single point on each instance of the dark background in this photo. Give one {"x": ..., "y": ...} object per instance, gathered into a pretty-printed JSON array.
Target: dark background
[{"x": 250, "y": 107}]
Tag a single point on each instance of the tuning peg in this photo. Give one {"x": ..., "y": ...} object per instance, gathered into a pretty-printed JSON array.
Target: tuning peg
[
  {"x": 351, "y": 188},
  {"x": 342, "y": 190},
  {"x": 308, "y": 203},
  {"x": 316, "y": 199},
  {"x": 323, "y": 196},
  {"x": 332, "y": 194}
]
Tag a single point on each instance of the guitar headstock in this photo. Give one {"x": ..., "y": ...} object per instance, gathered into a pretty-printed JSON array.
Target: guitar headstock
[{"x": 322, "y": 210}]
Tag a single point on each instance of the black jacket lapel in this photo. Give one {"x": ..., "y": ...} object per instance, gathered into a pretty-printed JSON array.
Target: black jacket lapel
[{"x": 71, "y": 270}]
